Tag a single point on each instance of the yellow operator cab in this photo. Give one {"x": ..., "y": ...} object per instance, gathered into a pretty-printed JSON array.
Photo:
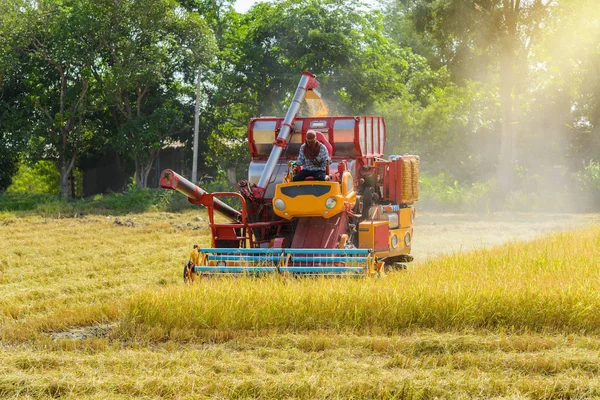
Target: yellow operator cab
[{"x": 314, "y": 198}]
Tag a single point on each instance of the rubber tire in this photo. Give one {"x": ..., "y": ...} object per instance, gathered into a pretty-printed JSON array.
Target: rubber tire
[{"x": 185, "y": 273}]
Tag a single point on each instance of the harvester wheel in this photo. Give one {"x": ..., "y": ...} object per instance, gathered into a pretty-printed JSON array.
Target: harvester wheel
[
  {"x": 188, "y": 272},
  {"x": 394, "y": 266},
  {"x": 185, "y": 273},
  {"x": 405, "y": 258}
]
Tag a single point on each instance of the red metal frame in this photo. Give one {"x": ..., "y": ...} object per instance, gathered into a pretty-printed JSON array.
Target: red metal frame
[
  {"x": 246, "y": 238},
  {"x": 389, "y": 177}
]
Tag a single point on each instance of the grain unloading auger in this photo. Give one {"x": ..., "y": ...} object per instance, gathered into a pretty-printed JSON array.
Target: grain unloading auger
[{"x": 358, "y": 221}]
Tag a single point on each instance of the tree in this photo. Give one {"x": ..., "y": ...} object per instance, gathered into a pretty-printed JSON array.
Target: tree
[
  {"x": 571, "y": 73},
  {"x": 14, "y": 121},
  {"x": 332, "y": 39},
  {"x": 56, "y": 76},
  {"x": 454, "y": 132},
  {"x": 149, "y": 52},
  {"x": 476, "y": 37},
  {"x": 263, "y": 52},
  {"x": 13, "y": 128}
]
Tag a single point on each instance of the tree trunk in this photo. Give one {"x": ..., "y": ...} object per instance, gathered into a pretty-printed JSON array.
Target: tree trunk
[
  {"x": 64, "y": 182},
  {"x": 66, "y": 166},
  {"x": 507, "y": 139},
  {"x": 508, "y": 63},
  {"x": 143, "y": 167},
  {"x": 140, "y": 181},
  {"x": 66, "y": 169}
]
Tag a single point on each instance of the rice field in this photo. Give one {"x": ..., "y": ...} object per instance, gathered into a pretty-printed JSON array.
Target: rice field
[{"x": 93, "y": 307}]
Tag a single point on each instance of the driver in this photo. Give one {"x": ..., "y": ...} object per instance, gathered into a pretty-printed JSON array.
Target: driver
[{"x": 313, "y": 157}]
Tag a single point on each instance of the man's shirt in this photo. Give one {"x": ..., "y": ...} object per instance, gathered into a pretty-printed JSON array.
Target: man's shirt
[{"x": 317, "y": 164}]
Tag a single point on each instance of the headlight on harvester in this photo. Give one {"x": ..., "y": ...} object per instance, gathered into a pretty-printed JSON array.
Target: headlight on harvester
[
  {"x": 279, "y": 204},
  {"x": 394, "y": 241},
  {"x": 330, "y": 202}
]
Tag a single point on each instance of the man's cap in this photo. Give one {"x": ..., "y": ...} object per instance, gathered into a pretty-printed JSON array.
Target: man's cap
[
  {"x": 195, "y": 246},
  {"x": 311, "y": 135}
]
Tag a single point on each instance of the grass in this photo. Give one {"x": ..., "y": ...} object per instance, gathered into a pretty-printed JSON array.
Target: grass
[
  {"x": 93, "y": 307},
  {"x": 131, "y": 201}
]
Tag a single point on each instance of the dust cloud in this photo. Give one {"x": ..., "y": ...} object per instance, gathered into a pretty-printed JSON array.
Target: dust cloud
[{"x": 438, "y": 234}]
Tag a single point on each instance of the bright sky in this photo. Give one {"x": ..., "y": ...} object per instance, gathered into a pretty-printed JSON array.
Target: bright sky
[{"x": 242, "y": 6}]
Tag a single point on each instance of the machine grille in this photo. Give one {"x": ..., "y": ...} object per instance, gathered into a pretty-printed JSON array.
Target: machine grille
[{"x": 301, "y": 190}]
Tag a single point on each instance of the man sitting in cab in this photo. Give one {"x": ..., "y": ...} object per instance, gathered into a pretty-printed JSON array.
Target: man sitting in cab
[{"x": 313, "y": 158}]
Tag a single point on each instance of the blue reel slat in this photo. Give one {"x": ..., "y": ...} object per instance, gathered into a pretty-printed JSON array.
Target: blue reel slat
[
  {"x": 298, "y": 261},
  {"x": 237, "y": 250},
  {"x": 225, "y": 270},
  {"x": 272, "y": 250},
  {"x": 319, "y": 270},
  {"x": 329, "y": 259},
  {"x": 308, "y": 270},
  {"x": 264, "y": 257},
  {"x": 340, "y": 252}
]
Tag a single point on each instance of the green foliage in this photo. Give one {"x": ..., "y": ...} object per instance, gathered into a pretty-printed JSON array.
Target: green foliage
[
  {"x": 133, "y": 200},
  {"x": 588, "y": 185},
  {"x": 589, "y": 177},
  {"x": 452, "y": 128},
  {"x": 442, "y": 193},
  {"x": 54, "y": 40},
  {"x": 262, "y": 53},
  {"x": 147, "y": 71},
  {"x": 24, "y": 201},
  {"x": 86, "y": 64},
  {"x": 223, "y": 185},
  {"x": 173, "y": 201},
  {"x": 13, "y": 124},
  {"x": 40, "y": 178},
  {"x": 8, "y": 167},
  {"x": 80, "y": 79}
]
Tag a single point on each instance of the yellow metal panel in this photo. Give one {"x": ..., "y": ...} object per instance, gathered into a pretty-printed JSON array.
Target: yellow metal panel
[
  {"x": 405, "y": 217},
  {"x": 366, "y": 233},
  {"x": 308, "y": 205},
  {"x": 401, "y": 247}
]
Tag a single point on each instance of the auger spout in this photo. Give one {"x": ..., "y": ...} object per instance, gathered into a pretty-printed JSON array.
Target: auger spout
[
  {"x": 171, "y": 180},
  {"x": 308, "y": 82}
]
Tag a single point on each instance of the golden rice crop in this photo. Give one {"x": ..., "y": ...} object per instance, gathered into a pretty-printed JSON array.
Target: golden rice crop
[
  {"x": 66, "y": 283},
  {"x": 548, "y": 285}
]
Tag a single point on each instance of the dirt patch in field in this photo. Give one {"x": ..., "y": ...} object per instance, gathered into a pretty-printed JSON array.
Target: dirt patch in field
[
  {"x": 84, "y": 332},
  {"x": 438, "y": 234}
]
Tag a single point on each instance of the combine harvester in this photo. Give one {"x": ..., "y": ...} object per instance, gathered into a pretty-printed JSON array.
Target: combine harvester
[{"x": 359, "y": 221}]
